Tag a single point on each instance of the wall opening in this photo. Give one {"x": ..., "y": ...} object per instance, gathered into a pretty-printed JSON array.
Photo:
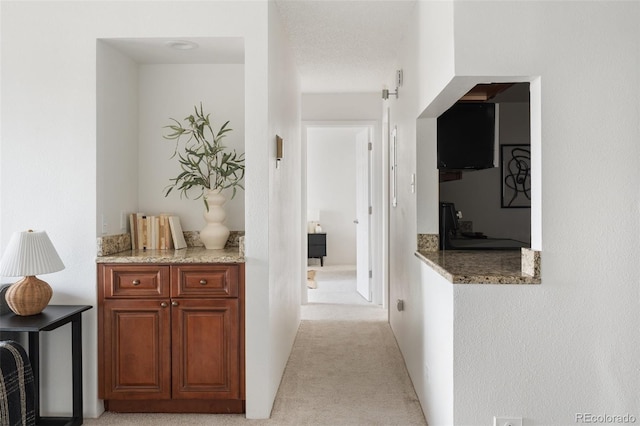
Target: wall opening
[
  {"x": 479, "y": 194},
  {"x": 491, "y": 205}
]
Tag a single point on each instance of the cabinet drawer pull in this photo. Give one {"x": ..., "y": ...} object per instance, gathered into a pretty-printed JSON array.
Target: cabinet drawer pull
[
  {"x": 203, "y": 282},
  {"x": 174, "y": 303},
  {"x": 136, "y": 282},
  {"x": 164, "y": 304}
]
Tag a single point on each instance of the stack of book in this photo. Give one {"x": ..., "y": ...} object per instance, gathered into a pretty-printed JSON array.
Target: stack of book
[{"x": 151, "y": 232}]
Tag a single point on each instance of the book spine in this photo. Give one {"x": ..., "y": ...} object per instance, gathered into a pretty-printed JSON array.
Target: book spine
[
  {"x": 145, "y": 232},
  {"x": 162, "y": 244},
  {"x": 176, "y": 233},
  {"x": 164, "y": 232},
  {"x": 169, "y": 236},
  {"x": 140, "y": 239},
  {"x": 156, "y": 230},
  {"x": 133, "y": 231}
]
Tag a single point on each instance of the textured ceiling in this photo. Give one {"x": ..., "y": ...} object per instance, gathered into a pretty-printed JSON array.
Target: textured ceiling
[
  {"x": 345, "y": 46},
  {"x": 339, "y": 45}
]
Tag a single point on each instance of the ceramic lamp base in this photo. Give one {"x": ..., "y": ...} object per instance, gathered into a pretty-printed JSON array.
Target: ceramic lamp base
[{"x": 29, "y": 296}]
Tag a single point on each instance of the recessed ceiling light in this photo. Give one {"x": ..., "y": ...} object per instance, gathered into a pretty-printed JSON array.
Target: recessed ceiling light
[{"x": 181, "y": 44}]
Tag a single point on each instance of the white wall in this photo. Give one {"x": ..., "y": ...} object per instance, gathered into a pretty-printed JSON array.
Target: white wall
[
  {"x": 569, "y": 345},
  {"x": 331, "y": 188},
  {"x": 171, "y": 91},
  {"x": 49, "y": 98},
  {"x": 116, "y": 137},
  {"x": 433, "y": 316},
  {"x": 426, "y": 174},
  {"x": 589, "y": 147},
  {"x": 409, "y": 325},
  {"x": 285, "y": 210},
  {"x": 341, "y": 106}
]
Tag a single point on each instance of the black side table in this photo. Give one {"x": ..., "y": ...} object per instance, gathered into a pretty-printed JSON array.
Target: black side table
[
  {"x": 51, "y": 318},
  {"x": 317, "y": 246}
]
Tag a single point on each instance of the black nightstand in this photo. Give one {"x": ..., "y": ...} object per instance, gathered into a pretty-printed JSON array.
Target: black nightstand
[
  {"x": 51, "y": 318},
  {"x": 317, "y": 246}
]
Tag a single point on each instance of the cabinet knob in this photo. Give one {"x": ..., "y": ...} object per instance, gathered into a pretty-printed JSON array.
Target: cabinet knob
[
  {"x": 203, "y": 282},
  {"x": 164, "y": 304},
  {"x": 136, "y": 282},
  {"x": 174, "y": 303}
]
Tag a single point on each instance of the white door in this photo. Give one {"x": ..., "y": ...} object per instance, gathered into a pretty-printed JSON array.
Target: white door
[{"x": 363, "y": 213}]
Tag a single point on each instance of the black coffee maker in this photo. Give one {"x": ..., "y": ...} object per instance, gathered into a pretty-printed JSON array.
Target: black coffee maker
[{"x": 448, "y": 224}]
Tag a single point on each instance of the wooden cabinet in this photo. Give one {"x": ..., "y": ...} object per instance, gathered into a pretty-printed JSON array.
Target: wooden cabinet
[
  {"x": 205, "y": 358},
  {"x": 171, "y": 337},
  {"x": 137, "y": 344}
]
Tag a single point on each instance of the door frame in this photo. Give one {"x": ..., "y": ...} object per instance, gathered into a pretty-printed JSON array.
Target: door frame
[{"x": 379, "y": 256}]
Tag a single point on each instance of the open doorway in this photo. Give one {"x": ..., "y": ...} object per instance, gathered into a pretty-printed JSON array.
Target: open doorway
[{"x": 339, "y": 210}]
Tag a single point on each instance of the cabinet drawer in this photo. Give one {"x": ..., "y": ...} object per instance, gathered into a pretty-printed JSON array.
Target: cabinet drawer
[
  {"x": 204, "y": 280},
  {"x": 317, "y": 239},
  {"x": 135, "y": 281},
  {"x": 317, "y": 251}
]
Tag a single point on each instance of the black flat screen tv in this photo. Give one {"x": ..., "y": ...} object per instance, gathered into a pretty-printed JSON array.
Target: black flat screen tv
[{"x": 466, "y": 137}]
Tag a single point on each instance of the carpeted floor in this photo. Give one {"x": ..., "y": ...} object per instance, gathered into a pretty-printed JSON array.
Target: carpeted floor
[
  {"x": 345, "y": 369},
  {"x": 335, "y": 274},
  {"x": 335, "y": 284}
]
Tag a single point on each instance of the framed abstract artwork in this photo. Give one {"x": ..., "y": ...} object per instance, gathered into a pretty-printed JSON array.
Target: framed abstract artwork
[{"x": 515, "y": 171}]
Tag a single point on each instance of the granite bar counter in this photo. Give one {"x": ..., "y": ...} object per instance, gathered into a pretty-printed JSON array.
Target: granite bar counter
[
  {"x": 188, "y": 255},
  {"x": 478, "y": 266}
]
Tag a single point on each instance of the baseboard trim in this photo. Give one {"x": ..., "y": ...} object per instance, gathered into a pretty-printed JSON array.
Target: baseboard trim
[{"x": 219, "y": 406}]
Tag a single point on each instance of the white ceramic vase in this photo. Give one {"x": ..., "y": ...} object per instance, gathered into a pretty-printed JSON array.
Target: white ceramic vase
[{"x": 215, "y": 234}]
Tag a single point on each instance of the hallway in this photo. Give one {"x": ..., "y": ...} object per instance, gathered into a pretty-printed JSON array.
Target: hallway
[{"x": 345, "y": 369}]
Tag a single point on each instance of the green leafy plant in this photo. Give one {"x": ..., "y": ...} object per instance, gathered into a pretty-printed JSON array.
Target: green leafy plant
[{"x": 205, "y": 162}]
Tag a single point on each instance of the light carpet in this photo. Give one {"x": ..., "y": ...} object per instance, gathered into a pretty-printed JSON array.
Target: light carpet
[
  {"x": 327, "y": 274},
  {"x": 336, "y": 284},
  {"x": 346, "y": 370}
]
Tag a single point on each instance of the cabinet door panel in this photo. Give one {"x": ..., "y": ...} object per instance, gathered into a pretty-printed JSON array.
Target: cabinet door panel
[
  {"x": 137, "y": 349},
  {"x": 205, "y": 349},
  {"x": 204, "y": 281}
]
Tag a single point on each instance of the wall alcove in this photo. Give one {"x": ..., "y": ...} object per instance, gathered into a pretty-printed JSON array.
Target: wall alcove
[{"x": 140, "y": 85}]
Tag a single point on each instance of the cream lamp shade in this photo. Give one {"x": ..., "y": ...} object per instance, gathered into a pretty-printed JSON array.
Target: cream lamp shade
[{"x": 29, "y": 253}]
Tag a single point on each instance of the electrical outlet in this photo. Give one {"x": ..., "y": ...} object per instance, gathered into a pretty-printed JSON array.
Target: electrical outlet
[
  {"x": 507, "y": 421},
  {"x": 104, "y": 224}
]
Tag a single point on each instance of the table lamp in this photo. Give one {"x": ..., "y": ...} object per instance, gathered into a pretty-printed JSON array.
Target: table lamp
[{"x": 29, "y": 253}]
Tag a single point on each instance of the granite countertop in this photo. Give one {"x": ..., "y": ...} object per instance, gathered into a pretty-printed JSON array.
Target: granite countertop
[
  {"x": 188, "y": 255},
  {"x": 478, "y": 266}
]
